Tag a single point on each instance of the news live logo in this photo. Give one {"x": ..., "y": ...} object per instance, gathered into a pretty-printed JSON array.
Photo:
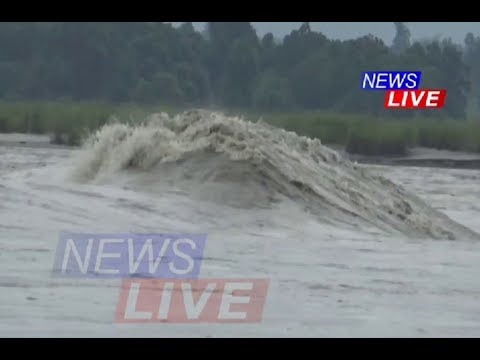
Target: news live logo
[
  {"x": 160, "y": 278},
  {"x": 403, "y": 90}
]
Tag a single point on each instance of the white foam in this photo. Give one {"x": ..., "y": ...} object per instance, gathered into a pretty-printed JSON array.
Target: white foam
[{"x": 233, "y": 161}]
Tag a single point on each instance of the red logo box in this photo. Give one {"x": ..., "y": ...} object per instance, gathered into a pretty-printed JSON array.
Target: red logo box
[{"x": 191, "y": 300}]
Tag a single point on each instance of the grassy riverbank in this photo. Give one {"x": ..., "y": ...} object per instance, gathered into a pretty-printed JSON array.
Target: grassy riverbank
[{"x": 68, "y": 122}]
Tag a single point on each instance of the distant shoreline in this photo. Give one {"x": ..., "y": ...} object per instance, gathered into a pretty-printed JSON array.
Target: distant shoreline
[
  {"x": 417, "y": 157},
  {"x": 432, "y": 163},
  {"x": 421, "y": 157}
]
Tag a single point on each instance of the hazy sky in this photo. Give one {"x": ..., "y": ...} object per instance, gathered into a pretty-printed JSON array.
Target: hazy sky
[{"x": 384, "y": 30}]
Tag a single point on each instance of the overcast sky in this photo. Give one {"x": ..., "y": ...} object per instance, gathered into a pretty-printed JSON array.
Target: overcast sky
[{"x": 384, "y": 30}]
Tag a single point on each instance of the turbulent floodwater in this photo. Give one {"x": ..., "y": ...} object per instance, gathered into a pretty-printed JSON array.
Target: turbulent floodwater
[{"x": 350, "y": 250}]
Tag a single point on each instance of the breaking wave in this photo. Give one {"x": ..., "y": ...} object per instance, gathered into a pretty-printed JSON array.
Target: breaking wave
[{"x": 238, "y": 163}]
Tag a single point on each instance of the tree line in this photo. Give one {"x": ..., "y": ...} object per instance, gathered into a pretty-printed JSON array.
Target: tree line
[{"x": 226, "y": 65}]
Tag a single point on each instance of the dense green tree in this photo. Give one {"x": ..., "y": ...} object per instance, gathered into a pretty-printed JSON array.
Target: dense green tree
[
  {"x": 272, "y": 92},
  {"x": 401, "y": 42},
  {"x": 226, "y": 65},
  {"x": 471, "y": 59}
]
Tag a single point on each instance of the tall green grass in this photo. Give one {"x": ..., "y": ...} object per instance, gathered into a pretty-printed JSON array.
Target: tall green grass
[
  {"x": 368, "y": 136},
  {"x": 69, "y": 122}
]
